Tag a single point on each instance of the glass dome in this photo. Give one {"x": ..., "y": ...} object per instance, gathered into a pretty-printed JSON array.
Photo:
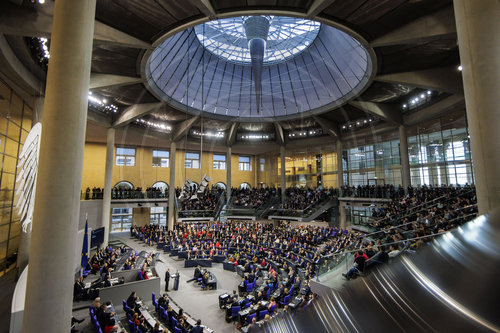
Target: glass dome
[{"x": 287, "y": 37}]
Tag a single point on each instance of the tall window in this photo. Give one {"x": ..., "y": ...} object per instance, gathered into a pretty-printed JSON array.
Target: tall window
[
  {"x": 219, "y": 162},
  {"x": 125, "y": 156},
  {"x": 244, "y": 163},
  {"x": 192, "y": 161},
  {"x": 262, "y": 164},
  {"x": 161, "y": 158}
]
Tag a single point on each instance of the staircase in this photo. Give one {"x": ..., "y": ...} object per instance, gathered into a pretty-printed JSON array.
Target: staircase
[{"x": 319, "y": 209}]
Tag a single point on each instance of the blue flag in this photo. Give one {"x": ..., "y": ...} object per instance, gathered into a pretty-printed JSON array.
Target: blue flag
[{"x": 85, "y": 248}]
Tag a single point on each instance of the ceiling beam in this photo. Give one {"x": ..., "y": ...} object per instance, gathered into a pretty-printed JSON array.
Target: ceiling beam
[
  {"x": 437, "y": 24},
  {"x": 317, "y": 6},
  {"x": 106, "y": 34},
  {"x": 434, "y": 110},
  {"x": 386, "y": 112},
  {"x": 329, "y": 127},
  {"x": 447, "y": 79},
  {"x": 280, "y": 136},
  {"x": 135, "y": 111},
  {"x": 98, "y": 118},
  {"x": 13, "y": 68},
  {"x": 110, "y": 80},
  {"x": 21, "y": 21},
  {"x": 183, "y": 127},
  {"x": 205, "y": 6},
  {"x": 231, "y": 137}
]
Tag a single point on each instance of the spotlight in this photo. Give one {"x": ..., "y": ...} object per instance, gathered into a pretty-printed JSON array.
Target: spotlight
[{"x": 460, "y": 67}]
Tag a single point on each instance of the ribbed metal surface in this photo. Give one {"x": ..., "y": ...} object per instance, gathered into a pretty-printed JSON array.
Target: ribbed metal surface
[{"x": 449, "y": 286}]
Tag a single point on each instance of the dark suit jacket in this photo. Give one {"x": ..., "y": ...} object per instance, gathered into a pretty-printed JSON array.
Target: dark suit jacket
[
  {"x": 167, "y": 275},
  {"x": 197, "y": 329}
]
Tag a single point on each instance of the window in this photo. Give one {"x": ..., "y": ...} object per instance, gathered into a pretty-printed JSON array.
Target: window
[
  {"x": 192, "y": 161},
  {"x": 219, "y": 162},
  {"x": 125, "y": 156},
  {"x": 121, "y": 219},
  {"x": 161, "y": 158},
  {"x": 244, "y": 163},
  {"x": 262, "y": 164}
]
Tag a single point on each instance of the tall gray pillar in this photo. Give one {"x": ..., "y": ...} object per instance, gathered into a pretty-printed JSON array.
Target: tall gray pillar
[
  {"x": 405, "y": 160},
  {"x": 340, "y": 166},
  {"x": 108, "y": 177},
  {"x": 171, "y": 188},
  {"x": 283, "y": 174},
  {"x": 228, "y": 174},
  {"x": 49, "y": 289},
  {"x": 37, "y": 115},
  {"x": 479, "y": 47},
  {"x": 342, "y": 217},
  {"x": 25, "y": 237}
]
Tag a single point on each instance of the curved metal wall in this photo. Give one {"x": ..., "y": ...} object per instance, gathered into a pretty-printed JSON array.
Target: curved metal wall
[{"x": 449, "y": 286}]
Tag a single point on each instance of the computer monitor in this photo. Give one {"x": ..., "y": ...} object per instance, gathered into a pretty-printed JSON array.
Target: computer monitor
[{"x": 97, "y": 237}]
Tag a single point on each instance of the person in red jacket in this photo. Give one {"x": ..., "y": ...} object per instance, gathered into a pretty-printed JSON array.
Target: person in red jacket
[{"x": 358, "y": 267}]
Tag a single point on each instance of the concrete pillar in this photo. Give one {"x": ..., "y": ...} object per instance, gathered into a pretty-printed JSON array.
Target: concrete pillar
[
  {"x": 171, "y": 188},
  {"x": 228, "y": 174},
  {"x": 283, "y": 174},
  {"x": 49, "y": 289},
  {"x": 479, "y": 47},
  {"x": 405, "y": 160},
  {"x": 342, "y": 217},
  {"x": 108, "y": 177},
  {"x": 25, "y": 237},
  {"x": 340, "y": 166},
  {"x": 37, "y": 115}
]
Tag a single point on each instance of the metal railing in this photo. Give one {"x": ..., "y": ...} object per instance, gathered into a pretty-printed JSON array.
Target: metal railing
[{"x": 331, "y": 261}]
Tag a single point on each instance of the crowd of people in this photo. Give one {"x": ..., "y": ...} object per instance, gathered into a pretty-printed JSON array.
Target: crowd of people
[
  {"x": 302, "y": 198},
  {"x": 200, "y": 201},
  {"x": 406, "y": 224},
  {"x": 251, "y": 198},
  {"x": 97, "y": 193}
]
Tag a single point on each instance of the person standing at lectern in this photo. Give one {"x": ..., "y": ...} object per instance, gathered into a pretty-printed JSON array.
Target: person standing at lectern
[{"x": 167, "y": 278}]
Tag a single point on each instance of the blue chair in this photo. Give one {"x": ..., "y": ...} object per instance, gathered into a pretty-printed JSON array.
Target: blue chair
[
  {"x": 165, "y": 317},
  {"x": 177, "y": 330},
  {"x": 131, "y": 326},
  {"x": 250, "y": 317},
  {"x": 272, "y": 310},
  {"x": 246, "y": 305},
  {"x": 153, "y": 297},
  {"x": 249, "y": 287},
  {"x": 174, "y": 322},
  {"x": 234, "y": 311},
  {"x": 140, "y": 276},
  {"x": 268, "y": 295},
  {"x": 125, "y": 306},
  {"x": 286, "y": 300},
  {"x": 262, "y": 314}
]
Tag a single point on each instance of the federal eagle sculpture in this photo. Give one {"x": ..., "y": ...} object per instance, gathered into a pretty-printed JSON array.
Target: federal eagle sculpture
[{"x": 26, "y": 177}]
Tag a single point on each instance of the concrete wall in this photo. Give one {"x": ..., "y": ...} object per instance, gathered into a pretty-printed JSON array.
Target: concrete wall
[{"x": 141, "y": 215}]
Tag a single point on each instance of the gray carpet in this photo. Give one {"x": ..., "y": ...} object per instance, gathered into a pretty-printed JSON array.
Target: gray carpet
[{"x": 197, "y": 303}]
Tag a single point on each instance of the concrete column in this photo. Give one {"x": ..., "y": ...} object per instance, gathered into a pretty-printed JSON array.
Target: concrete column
[
  {"x": 283, "y": 174},
  {"x": 228, "y": 174},
  {"x": 49, "y": 289},
  {"x": 25, "y": 237},
  {"x": 405, "y": 160},
  {"x": 342, "y": 217},
  {"x": 171, "y": 188},
  {"x": 108, "y": 177},
  {"x": 37, "y": 115},
  {"x": 479, "y": 47},
  {"x": 340, "y": 166}
]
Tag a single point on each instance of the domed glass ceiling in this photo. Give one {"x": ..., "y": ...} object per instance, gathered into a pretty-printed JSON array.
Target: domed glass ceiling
[
  {"x": 333, "y": 68},
  {"x": 287, "y": 37}
]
